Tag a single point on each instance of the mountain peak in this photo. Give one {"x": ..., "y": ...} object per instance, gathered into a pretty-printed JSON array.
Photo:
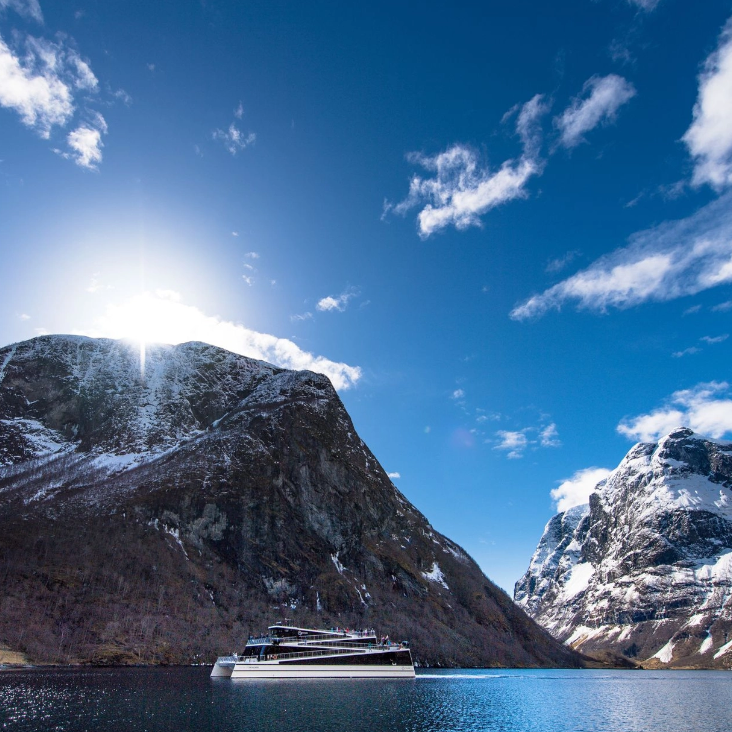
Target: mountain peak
[
  {"x": 166, "y": 516},
  {"x": 650, "y": 552}
]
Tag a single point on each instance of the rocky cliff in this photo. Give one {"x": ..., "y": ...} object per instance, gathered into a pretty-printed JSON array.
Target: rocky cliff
[
  {"x": 644, "y": 570},
  {"x": 162, "y": 516}
]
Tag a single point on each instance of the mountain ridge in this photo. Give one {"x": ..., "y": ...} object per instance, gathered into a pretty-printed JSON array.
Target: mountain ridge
[
  {"x": 645, "y": 569},
  {"x": 163, "y": 518}
]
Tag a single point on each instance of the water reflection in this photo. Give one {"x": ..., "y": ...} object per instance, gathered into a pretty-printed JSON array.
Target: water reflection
[{"x": 514, "y": 701}]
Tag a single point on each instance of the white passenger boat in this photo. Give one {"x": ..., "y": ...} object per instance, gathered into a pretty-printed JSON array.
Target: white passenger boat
[{"x": 291, "y": 652}]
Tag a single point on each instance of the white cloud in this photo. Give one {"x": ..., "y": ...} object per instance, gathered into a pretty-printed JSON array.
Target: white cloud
[
  {"x": 393, "y": 475},
  {"x": 516, "y": 442},
  {"x": 723, "y": 307},
  {"x": 646, "y": 5},
  {"x": 301, "y": 316},
  {"x": 705, "y": 408},
  {"x": 234, "y": 139},
  {"x": 462, "y": 189},
  {"x": 575, "y": 491},
  {"x": 686, "y": 352},
  {"x": 557, "y": 265},
  {"x": 549, "y": 436},
  {"x": 458, "y": 394},
  {"x": 251, "y": 255},
  {"x": 163, "y": 317},
  {"x": 711, "y": 340},
  {"x": 339, "y": 303},
  {"x": 709, "y": 138},
  {"x": 235, "y": 233},
  {"x": 95, "y": 284},
  {"x": 86, "y": 144},
  {"x": 602, "y": 97},
  {"x": 671, "y": 260},
  {"x": 239, "y": 111},
  {"x": 26, "y": 8},
  {"x": 40, "y": 84},
  {"x": 248, "y": 279},
  {"x": 513, "y": 442},
  {"x": 24, "y": 316}
]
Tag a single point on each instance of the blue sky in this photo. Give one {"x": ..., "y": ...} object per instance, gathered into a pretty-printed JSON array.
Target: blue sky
[{"x": 503, "y": 229}]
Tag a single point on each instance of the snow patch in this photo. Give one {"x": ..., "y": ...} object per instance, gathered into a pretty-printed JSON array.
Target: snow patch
[
  {"x": 578, "y": 580},
  {"x": 337, "y": 563},
  {"x": 666, "y": 653},
  {"x": 723, "y": 650},
  {"x": 435, "y": 575},
  {"x": 706, "y": 645},
  {"x": 695, "y": 620}
]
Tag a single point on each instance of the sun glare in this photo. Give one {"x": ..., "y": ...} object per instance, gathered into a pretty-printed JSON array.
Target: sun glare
[{"x": 160, "y": 316}]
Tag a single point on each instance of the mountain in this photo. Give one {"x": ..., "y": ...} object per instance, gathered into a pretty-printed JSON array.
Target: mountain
[
  {"x": 160, "y": 515},
  {"x": 644, "y": 570}
]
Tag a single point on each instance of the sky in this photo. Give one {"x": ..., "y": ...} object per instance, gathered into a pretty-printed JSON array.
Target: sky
[{"x": 503, "y": 229}]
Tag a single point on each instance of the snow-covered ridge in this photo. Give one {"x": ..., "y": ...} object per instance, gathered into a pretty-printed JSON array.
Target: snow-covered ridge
[
  {"x": 645, "y": 569},
  {"x": 98, "y": 397}
]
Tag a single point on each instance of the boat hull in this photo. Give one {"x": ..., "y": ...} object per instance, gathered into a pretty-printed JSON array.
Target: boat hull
[
  {"x": 309, "y": 671},
  {"x": 222, "y": 669}
]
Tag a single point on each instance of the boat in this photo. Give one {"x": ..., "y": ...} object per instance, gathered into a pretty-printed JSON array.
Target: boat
[{"x": 287, "y": 651}]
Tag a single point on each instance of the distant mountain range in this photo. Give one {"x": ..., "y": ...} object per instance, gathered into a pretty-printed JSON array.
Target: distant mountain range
[
  {"x": 162, "y": 517},
  {"x": 645, "y": 570}
]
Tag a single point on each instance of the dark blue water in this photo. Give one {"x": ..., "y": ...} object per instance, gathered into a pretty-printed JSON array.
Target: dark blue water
[{"x": 516, "y": 701}]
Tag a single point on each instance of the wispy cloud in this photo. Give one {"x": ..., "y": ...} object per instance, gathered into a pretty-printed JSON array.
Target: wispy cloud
[
  {"x": 686, "y": 352},
  {"x": 549, "y": 436},
  {"x": 516, "y": 442},
  {"x": 671, "y": 260},
  {"x": 339, "y": 303},
  {"x": 233, "y": 139},
  {"x": 575, "y": 491},
  {"x": 301, "y": 316},
  {"x": 26, "y": 8},
  {"x": 39, "y": 79},
  {"x": 251, "y": 255},
  {"x": 711, "y": 340},
  {"x": 722, "y": 307},
  {"x": 705, "y": 408},
  {"x": 557, "y": 265},
  {"x": 599, "y": 102},
  {"x": 462, "y": 188},
  {"x": 646, "y": 5},
  {"x": 162, "y": 316},
  {"x": 709, "y": 138},
  {"x": 394, "y": 476},
  {"x": 96, "y": 284},
  {"x": 458, "y": 394}
]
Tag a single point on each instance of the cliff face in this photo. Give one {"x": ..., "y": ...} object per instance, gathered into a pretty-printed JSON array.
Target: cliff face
[
  {"x": 162, "y": 517},
  {"x": 644, "y": 570}
]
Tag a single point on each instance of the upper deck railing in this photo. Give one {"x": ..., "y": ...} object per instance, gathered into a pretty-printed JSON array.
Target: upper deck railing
[{"x": 337, "y": 651}]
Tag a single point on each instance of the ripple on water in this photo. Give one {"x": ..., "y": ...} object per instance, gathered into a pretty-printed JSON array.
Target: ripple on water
[{"x": 436, "y": 701}]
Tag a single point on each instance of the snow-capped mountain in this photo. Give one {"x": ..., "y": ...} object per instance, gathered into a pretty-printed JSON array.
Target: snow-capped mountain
[
  {"x": 164, "y": 514},
  {"x": 645, "y": 569}
]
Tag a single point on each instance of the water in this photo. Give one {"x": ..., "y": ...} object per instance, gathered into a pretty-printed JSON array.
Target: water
[{"x": 180, "y": 699}]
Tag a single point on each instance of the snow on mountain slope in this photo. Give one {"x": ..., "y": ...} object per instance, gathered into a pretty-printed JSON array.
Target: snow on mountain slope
[
  {"x": 65, "y": 394},
  {"x": 162, "y": 516},
  {"x": 645, "y": 569}
]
